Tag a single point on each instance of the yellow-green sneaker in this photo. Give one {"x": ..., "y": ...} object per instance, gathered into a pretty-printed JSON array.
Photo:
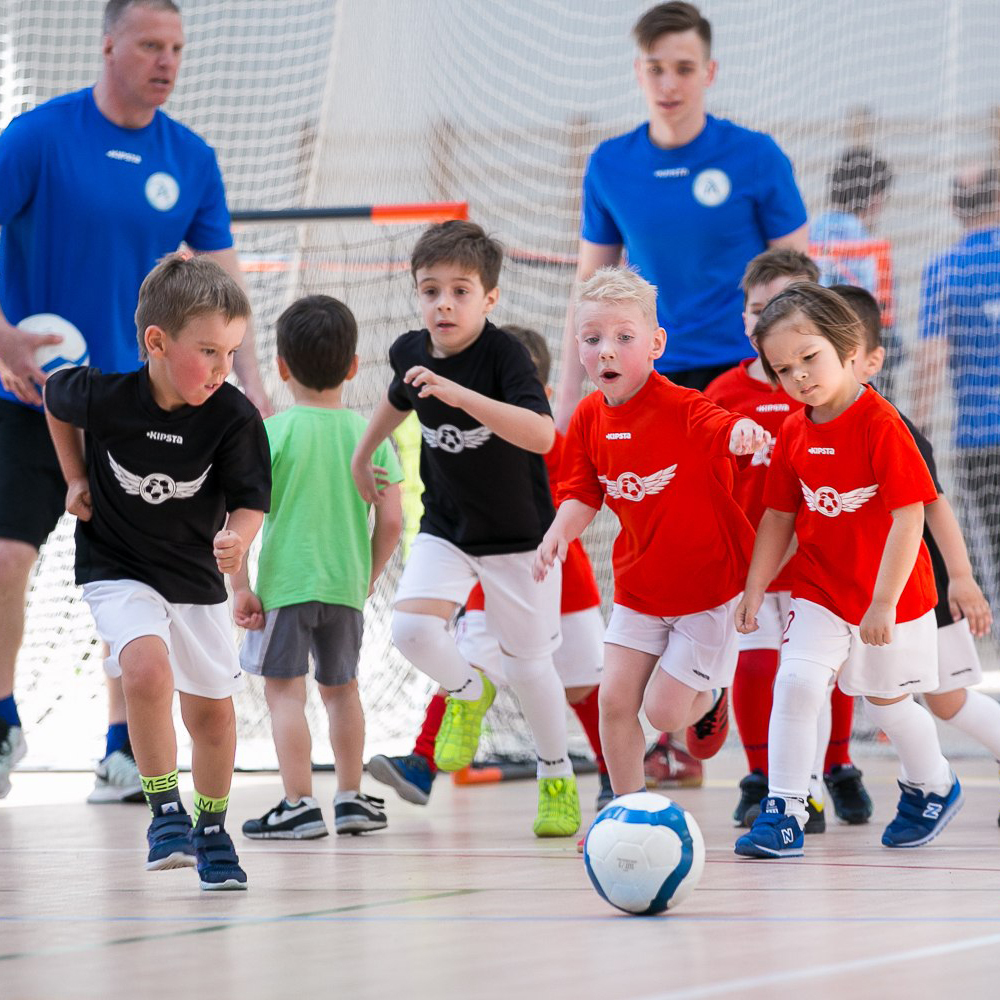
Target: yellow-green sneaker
[
  {"x": 558, "y": 808},
  {"x": 458, "y": 738}
]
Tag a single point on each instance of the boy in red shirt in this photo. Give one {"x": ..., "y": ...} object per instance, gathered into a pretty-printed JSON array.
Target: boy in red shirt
[{"x": 661, "y": 457}]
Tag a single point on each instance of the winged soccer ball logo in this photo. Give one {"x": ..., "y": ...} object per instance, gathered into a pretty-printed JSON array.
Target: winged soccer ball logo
[
  {"x": 828, "y": 502},
  {"x": 449, "y": 438},
  {"x": 157, "y": 487},
  {"x": 632, "y": 486}
]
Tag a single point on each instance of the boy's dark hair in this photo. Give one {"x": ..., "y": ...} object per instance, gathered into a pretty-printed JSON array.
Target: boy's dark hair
[
  {"x": 461, "y": 243},
  {"x": 863, "y": 303},
  {"x": 114, "y": 9},
  {"x": 318, "y": 339},
  {"x": 976, "y": 194},
  {"x": 671, "y": 19},
  {"x": 856, "y": 178},
  {"x": 779, "y": 262},
  {"x": 181, "y": 288},
  {"x": 832, "y": 317},
  {"x": 537, "y": 349}
]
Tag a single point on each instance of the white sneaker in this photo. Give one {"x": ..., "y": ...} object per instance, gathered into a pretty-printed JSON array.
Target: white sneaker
[
  {"x": 12, "y": 749},
  {"x": 117, "y": 779}
]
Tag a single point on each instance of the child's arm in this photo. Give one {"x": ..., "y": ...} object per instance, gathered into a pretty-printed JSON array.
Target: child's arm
[
  {"x": 571, "y": 519},
  {"x": 231, "y": 544},
  {"x": 747, "y": 437},
  {"x": 388, "y": 528},
  {"x": 384, "y": 421},
  {"x": 248, "y": 612},
  {"x": 964, "y": 596},
  {"x": 69, "y": 450},
  {"x": 777, "y": 528},
  {"x": 520, "y": 426},
  {"x": 898, "y": 558}
]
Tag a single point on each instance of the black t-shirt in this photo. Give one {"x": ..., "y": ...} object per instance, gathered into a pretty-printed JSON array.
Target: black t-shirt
[
  {"x": 481, "y": 493},
  {"x": 161, "y": 481}
]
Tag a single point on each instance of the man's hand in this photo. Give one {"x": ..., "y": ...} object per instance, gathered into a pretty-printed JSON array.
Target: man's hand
[
  {"x": 228, "y": 549},
  {"x": 78, "y": 499},
  {"x": 19, "y": 371},
  {"x": 248, "y": 612}
]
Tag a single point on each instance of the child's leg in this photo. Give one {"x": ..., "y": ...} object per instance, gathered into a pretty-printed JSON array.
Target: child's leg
[
  {"x": 753, "y": 689},
  {"x": 823, "y": 727},
  {"x": 540, "y": 693},
  {"x": 423, "y": 746},
  {"x": 838, "y": 752},
  {"x": 626, "y": 674},
  {"x": 212, "y": 725},
  {"x": 347, "y": 732},
  {"x": 584, "y": 702},
  {"x": 579, "y": 662},
  {"x": 286, "y": 701},
  {"x": 910, "y": 729}
]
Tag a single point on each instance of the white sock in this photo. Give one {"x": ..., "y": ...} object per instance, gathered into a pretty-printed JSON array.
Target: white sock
[
  {"x": 344, "y": 797},
  {"x": 425, "y": 642},
  {"x": 543, "y": 703},
  {"x": 913, "y": 735},
  {"x": 979, "y": 718},
  {"x": 800, "y": 690},
  {"x": 824, "y": 724}
]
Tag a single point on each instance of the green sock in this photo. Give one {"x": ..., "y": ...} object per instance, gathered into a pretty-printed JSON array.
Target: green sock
[
  {"x": 209, "y": 812},
  {"x": 162, "y": 793}
]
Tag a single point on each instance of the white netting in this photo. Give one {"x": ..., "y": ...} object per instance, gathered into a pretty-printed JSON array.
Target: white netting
[{"x": 499, "y": 103}]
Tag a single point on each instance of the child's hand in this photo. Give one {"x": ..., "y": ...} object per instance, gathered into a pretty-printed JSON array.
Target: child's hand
[
  {"x": 430, "y": 384},
  {"x": 228, "y": 549},
  {"x": 965, "y": 598},
  {"x": 746, "y": 613},
  {"x": 876, "y": 626},
  {"x": 248, "y": 612},
  {"x": 552, "y": 547},
  {"x": 369, "y": 479},
  {"x": 748, "y": 437},
  {"x": 78, "y": 499}
]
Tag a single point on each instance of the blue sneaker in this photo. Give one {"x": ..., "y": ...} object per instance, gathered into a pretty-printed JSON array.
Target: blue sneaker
[
  {"x": 921, "y": 817},
  {"x": 169, "y": 839},
  {"x": 218, "y": 864},
  {"x": 411, "y": 776},
  {"x": 773, "y": 834}
]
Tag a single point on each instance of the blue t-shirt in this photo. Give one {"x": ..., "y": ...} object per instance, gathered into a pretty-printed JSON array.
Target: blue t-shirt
[
  {"x": 842, "y": 227},
  {"x": 690, "y": 219},
  {"x": 960, "y": 300},
  {"x": 87, "y": 209}
]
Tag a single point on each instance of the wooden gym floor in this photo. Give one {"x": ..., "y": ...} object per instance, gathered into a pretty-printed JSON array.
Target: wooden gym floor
[{"x": 458, "y": 899}]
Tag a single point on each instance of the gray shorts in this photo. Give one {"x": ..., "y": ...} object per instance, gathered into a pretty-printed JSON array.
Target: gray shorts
[{"x": 331, "y": 632}]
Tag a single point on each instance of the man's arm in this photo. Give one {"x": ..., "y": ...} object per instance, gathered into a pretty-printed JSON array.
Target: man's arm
[
  {"x": 592, "y": 256},
  {"x": 797, "y": 239}
]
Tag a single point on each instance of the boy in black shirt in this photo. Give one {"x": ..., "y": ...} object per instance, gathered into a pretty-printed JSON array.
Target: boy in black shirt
[
  {"x": 170, "y": 490},
  {"x": 486, "y": 424}
]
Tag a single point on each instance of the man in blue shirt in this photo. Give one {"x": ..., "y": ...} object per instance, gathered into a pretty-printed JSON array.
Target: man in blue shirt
[
  {"x": 688, "y": 199},
  {"x": 97, "y": 186}
]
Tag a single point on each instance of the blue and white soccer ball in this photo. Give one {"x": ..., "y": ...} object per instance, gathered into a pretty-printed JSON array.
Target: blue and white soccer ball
[
  {"x": 51, "y": 358},
  {"x": 644, "y": 853}
]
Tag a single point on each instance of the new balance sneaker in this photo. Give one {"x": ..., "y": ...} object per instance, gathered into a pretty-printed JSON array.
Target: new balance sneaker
[
  {"x": 851, "y": 801},
  {"x": 558, "y": 808},
  {"x": 753, "y": 788},
  {"x": 117, "y": 779},
  {"x": 302, "y": 821},
  {"x": 359, "y": 814},
  {"x": 705, "y": 738},
  {"x": 169, "y": 839},
  {"x": 669, "y": 765},
  {"x": 606, "y": 793},
  {"x": 921, "y": 816},
  {"x": 815, "y": 820},
  {"x": 773, "y": 834},
  {"x": 218, "y": 862},
  {"x": 458, "y": 738},
  {"x": 12, "y": 749},
  {"x": 411, "y": 776}
]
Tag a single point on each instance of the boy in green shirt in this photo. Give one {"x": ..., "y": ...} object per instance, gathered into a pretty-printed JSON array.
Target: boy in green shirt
[{"x": 317, "y": 566}]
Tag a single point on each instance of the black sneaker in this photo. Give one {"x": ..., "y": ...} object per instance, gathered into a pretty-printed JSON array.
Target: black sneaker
[
  {"x": 753, "y": 788},
  {"x": 850, "y": 800},
  {"x": 816, "y": 820},
  {"x": 606, "y": 794},
  {"x": 360, "y": 814},
  {"x": 287, "y": 822}
]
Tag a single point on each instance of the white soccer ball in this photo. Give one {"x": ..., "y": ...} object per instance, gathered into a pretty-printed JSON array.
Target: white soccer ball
[
  {"x": 644, "y": 853},
  {"x": 51, "y": 358}
]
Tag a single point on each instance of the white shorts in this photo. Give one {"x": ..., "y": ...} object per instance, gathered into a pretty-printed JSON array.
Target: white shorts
[
  {"x": 199, "y": 637},
  {"x": 522, "y": 615},
  {"x": 700, "y": 650},
  {"x": 958, "y": 660},
  {"x": 579, "y": 660},
  {"x": 907, "y": 664},
  {"x": 771, "y": 620}
]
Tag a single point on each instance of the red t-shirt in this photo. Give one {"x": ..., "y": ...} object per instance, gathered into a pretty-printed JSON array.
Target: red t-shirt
[
  {"x": 661, "y": 462},
  {"x": 579, "y": 588},
  {"x": 842, "y": 479},
  {"x": 739, "y": 391}
]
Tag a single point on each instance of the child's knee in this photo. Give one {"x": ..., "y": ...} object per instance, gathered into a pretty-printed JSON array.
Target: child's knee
[
  {"x": 800, "y": 687},
  {"x": 145, "y": 666},
  {"x": 416, "y": 633},
  {"x": 339, "y": 694}
]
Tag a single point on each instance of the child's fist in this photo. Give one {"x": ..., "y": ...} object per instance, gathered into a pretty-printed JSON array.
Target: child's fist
[{"x": 228, "y": 550}]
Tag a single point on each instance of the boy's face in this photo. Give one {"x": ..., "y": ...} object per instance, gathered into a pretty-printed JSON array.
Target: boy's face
[
  {"x": 807, "y": 364},
  {"x": 189, "y": 368},
  {"x": 617, "y": 347},
  {"x": 758, "y": 296},
  {"x": 454, "y": 306},
  {"x": 674, "y": 74}
]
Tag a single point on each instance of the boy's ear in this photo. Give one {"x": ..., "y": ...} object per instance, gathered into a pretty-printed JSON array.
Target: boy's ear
[
  {"x": 659, "y": 342},
  {"x": 353, "y": 370},
  {"x": 491, "y": 298},
  {"x": 283, "y": 373},
  {"x": 155, "y": 339}
]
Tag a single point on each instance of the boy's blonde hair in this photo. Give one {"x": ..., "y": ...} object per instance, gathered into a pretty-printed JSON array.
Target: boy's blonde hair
[
  {"x": 180, "y": 288},
  {"x": 622, "y": 286}
]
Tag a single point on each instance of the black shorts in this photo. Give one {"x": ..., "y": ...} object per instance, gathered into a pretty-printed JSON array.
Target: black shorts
[{"x": 32, "y": 489}]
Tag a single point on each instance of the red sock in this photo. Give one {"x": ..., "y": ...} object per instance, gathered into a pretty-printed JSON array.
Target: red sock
[
  {"x": 838, "y": 751},
  {"x": 753, "y": 688},
  {"x": 424, "y": 746},
  {"x": 587, "y": 713}
]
